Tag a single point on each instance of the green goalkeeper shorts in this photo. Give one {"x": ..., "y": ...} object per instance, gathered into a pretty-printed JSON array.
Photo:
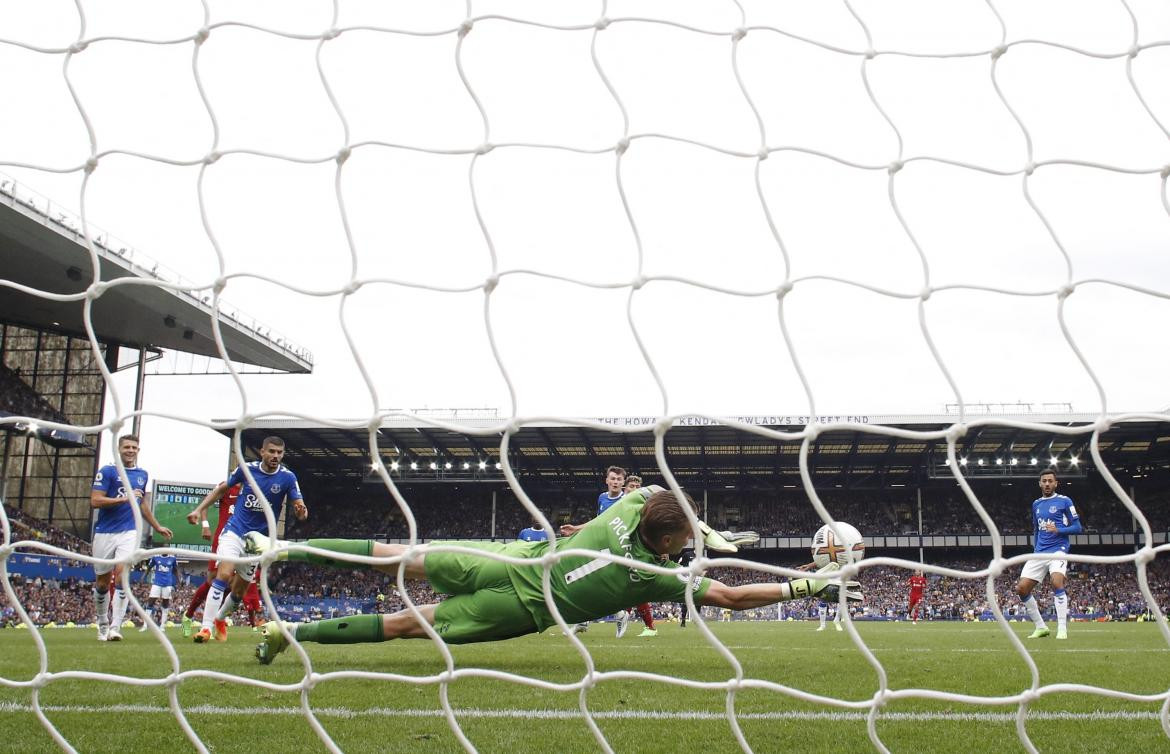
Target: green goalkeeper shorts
[{"x": 485, "y": 606}]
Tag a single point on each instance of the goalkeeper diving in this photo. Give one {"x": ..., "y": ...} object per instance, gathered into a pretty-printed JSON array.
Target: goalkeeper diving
[{"x": 492, "y": 600}]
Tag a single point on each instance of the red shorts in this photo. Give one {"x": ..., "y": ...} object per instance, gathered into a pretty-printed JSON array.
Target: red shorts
[{"x": 915, "y": 597}]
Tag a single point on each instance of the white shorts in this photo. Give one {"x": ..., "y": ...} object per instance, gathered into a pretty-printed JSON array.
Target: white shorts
[
  {"x": 112, "y": 545},
  {"x": 232, "y": 546},
  {"x": 164, "y": 592},
  {"x": 1038, "y": 569}
]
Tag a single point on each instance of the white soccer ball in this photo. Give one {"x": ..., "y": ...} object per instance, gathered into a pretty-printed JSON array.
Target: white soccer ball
[{"x": 844, "y": 546}]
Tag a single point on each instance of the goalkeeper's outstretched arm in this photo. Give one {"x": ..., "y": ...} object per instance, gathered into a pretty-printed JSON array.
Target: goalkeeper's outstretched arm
[{"x": 747, "y": 596}]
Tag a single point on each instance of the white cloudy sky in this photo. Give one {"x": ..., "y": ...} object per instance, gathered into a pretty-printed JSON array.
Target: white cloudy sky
[{"x": 569, "y": 348}]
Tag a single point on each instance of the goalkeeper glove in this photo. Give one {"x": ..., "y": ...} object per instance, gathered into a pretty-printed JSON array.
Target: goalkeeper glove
[
  {"x": 830, "y": 591},
  {"x": 726, "y": 541}
]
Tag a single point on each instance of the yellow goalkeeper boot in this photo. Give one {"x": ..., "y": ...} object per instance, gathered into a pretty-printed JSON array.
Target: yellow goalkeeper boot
[
  {"x": 1039, "y": 633},
  {"x": 273, "y": 643}
]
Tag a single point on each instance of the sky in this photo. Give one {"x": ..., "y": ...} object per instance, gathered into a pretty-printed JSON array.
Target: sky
[{"x": 687, "y": 217}]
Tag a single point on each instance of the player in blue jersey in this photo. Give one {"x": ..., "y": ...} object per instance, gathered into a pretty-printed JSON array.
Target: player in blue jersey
[
  {"x": 534, "y": 534},
  {"x": 114, "y": 534},
  {"x": 278, "y": 484},
  {"x": 164, "y": 571},
  {"x": 823, "y": 614},
  {"x": 1053, "y": 519},
  {"x": 615, "y": 483}
]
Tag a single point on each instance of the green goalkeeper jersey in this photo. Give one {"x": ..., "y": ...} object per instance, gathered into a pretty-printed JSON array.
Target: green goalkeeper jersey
[{"x": 585, "y": 587}]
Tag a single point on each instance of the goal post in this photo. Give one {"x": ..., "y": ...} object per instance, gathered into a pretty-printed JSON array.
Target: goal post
[{"x": 680, "y": 210}]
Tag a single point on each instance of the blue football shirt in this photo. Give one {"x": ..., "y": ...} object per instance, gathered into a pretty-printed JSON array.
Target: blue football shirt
[
  {"x": 1059, "y": 510},
  {"x": 279, "y": 486},
  {"x": 117, "y": 518},
  {"x": 604, "y": 501},
  {"x": 163, "y": 570}
]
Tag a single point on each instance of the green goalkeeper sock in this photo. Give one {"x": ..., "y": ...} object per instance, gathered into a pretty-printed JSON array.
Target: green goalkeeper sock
[
  {"x": 356, "y": 629},
  {"x": 347, "y": 546}
]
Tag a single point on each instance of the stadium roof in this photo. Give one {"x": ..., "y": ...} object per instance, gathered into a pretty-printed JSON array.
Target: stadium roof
[
  {"x": 705, "y": 452},
  {"x": 42, "y": 249}
]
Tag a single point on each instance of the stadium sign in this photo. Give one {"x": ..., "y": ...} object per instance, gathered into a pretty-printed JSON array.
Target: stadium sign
[
  {"x": 172, "y": 502},
  {"x": 760, "y": 421}
]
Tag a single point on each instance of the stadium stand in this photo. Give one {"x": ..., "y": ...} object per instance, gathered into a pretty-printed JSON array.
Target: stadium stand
[{"x": 17, "y": 398}]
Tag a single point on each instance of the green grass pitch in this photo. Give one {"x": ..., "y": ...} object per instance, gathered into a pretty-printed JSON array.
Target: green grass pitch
[{"x": 371, "y": 715}]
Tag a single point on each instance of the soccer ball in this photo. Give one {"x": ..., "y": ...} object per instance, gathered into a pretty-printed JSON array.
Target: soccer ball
[{"x": 845, "y": 546}]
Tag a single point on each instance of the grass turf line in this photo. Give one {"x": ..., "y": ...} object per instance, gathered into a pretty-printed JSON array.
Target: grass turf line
[{"x": 636, "y": 715}]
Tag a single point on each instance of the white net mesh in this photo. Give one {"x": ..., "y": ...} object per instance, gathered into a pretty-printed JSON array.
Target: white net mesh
[{"x": 638, "y": 106}]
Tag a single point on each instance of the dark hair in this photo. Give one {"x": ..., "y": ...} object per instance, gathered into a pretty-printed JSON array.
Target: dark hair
[
  {"x": 615, "y": 470},
  {"x": 662, "y": 515},
  {"x": 124, "y": 438},
  {"x": 272, "y": 440},
  {"x": 1048, "y": 472}
]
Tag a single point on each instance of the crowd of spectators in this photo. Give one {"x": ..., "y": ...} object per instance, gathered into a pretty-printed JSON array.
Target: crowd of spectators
[
  {"x": 26, "y": 527},
  {"x": 1098, "y": 589},
  {"x": 1094, "y": 589},
  {"x": 441, "y": 515}
]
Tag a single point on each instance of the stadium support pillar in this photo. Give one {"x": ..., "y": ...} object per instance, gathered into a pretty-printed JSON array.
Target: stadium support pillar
[
  {"x": 493, "y": 515},
  {"x": 139, "y": 388},
  {"x": 4, "y": 468},
  {"x": 1133, "y": 521},
  {"x": 921, "y": 555},
  {"x": 704, "y": 504}
]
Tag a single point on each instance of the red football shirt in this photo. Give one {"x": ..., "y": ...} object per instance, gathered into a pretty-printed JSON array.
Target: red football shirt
[
  {"x": 917, "y": 584},
  {"x": 227, "y": 506}
]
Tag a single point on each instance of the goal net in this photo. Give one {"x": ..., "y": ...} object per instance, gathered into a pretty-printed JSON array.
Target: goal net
[{"x": 679, "y": 210}]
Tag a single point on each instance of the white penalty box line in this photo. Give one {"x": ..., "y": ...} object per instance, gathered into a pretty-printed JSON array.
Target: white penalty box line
[{"x": 572, "y": 714}]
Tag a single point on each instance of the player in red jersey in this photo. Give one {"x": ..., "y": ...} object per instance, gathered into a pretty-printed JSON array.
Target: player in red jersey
[
  {"x": 252, "y": 602},
  {"x": 917, "y": 584},
  {"x": 227, "y": 506}
]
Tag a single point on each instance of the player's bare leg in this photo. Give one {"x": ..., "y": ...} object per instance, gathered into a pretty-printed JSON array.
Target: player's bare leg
[
  {"x": 1024, "y": 589},
  {"x": 356, "y": 629}
]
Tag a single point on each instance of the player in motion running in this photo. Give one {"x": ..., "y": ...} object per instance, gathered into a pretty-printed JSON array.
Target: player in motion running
[
  {"x": 278, "y": 484},
  {"x": 227, "y": 506},
  {"x": 164, "y": 570},
  {"x": 917, "y": 584},
  {"x": 1053, "y": 519},
  {"x": 114, "y": 534},
  {"x": 493, "y": 600}
]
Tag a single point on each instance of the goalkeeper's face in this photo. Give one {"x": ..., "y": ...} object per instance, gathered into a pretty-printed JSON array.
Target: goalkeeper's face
[{"x": 673, "y": 544}]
